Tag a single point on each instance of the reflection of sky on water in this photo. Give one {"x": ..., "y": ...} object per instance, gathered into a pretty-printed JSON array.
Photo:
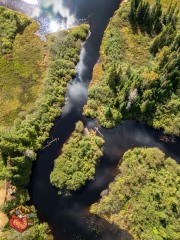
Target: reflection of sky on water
[
  {"x": 32, "y": 2},
  {"x": 52, "y": 15}
]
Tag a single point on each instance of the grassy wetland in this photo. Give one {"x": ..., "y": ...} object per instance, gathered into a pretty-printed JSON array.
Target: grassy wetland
[{"x": 26, "y": 57}]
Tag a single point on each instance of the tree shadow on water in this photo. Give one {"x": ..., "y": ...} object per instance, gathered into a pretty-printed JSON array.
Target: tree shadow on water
[{"x": 107, "y": 231}]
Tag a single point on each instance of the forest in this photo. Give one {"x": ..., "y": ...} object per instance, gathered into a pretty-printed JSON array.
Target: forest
[
  {"x": 18, "y": 146},
  {"x": 76, "y": 164},
  {"x": 138, "y": 73},
  {"x": 55, "y": 64},
  {"x": 137, "y": 77},
  {"x": 144, "y": 197}
]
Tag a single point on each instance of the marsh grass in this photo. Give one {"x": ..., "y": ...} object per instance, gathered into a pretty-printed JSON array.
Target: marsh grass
[{"x": 22, "y": 70}]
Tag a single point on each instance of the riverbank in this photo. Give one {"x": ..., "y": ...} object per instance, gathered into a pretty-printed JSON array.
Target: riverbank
[
  {"x": 28, "y": 134},
  {"x": 143, "y": 198},
  {"x": 137, "y": 77},
  {"x": 3, "y": 217},
  {"x": 129, "y": 79},
  {"x": 78, "y": 159},
  {"x": 19, "y": 145},
  {"x": 68, "y": 215}
]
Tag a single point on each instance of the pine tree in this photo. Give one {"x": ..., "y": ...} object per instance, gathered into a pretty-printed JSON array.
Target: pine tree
[
  {"x": 140, "y": 13},
  {"x": 170, "y": 17},
  {"x": 132, "y": 14},
  {"x": 108, "y": 113},
  {"x": 156, "y": 14}
]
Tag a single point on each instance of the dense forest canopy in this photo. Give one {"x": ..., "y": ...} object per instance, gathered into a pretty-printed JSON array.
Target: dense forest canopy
[
  {"x": 78, "y": 159},
  {"x": 11, "y": 24},
  {"x": 144, "y": 198},
  {"x": 138, "y": 75}
]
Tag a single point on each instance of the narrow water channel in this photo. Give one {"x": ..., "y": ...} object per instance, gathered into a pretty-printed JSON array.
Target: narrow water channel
[{"x": 69, "y": 217}]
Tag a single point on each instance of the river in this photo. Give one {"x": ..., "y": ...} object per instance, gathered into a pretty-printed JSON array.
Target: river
[{"x": 68, "y": 217}]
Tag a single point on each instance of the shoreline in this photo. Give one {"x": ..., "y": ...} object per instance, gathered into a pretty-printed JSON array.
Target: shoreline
[{"x": 3, "y": 217}]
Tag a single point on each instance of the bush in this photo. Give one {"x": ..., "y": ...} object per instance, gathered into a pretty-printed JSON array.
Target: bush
[{"x": 77, "y": 162}]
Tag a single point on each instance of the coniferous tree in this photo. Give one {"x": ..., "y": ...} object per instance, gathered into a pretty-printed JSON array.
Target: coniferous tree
[
  {"x": 140, "y": 13},
  {"x": 156, "y": 13},
  {"x": 108, "y": 112}
]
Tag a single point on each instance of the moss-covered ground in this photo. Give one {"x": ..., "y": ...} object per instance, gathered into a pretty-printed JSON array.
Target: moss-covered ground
[{"x": 23, "y": 65}]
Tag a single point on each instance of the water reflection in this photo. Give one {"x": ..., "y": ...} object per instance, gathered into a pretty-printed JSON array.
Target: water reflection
[
  {"x": 32, "y": 2},
  {"x": 132, "y": 134},
  {"x": 69, "y": 216},
  {"x": 81, "y": 67},
  {"x": 52, "y": 15}
]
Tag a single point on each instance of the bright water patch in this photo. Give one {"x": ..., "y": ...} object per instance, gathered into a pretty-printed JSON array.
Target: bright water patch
[{"x": 32, "y": 2}]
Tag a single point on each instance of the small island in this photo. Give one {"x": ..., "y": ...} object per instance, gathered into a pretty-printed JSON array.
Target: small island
[{"x": 78, "y": 159}]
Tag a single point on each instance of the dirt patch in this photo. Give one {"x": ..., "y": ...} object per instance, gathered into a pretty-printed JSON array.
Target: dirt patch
[{"x": 3, "y": 217}]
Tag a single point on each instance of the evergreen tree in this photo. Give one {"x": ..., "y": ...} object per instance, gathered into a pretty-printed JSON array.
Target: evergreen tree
[{"x": 108, "y": 113}]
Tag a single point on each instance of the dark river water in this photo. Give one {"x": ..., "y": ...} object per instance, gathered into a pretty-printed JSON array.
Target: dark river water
[{"x": 68, "y": 217}]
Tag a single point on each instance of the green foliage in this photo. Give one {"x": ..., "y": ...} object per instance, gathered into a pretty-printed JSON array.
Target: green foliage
[
  {"x": 38, "y": 232},
  {"x": 138, "y": 75},
  {"x": 167, "y": 116},
  {"x": 146, "y": 17},
  {"x": 171, "y": 15},
  {"x": 11, "y": 23},
  {"x": 165, "y": 38},
  {"x": 144, "y": 198},
  {"x": 19, "y": 145},
  {"x": 23, "y": 65},
  {"x": 80, "y": 32},
  {"x": 20, "y": 198},
  {"x": 77, "y": 162}
]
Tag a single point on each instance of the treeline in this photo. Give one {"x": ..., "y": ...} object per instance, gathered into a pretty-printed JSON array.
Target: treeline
[
  {"x": 18, "y": 147},
  {"x": 144, "y": 198},
  {"x": 78, "y": 159},
  {"x": 140, "y": 94},
  {"x": 10, "y": 24},
  {"x": 138, "y": 76},
  {"x": 151, "y": 18}
]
